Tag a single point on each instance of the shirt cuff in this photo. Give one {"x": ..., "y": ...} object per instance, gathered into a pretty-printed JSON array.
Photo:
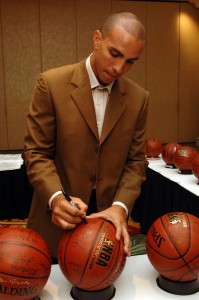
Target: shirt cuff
[
  {"x": 122, "y": 205},
  {"x": 52, "y": 197}
]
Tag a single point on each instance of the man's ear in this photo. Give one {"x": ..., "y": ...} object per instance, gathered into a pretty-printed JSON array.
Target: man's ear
[{"x": 97, "y": 38}]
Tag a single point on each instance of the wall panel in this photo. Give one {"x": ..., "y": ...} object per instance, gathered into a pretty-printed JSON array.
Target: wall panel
[
  {"x": 58, "y": 33},
  {"x": 3, "y": 119},
  {"x": 36, "y": 35},
  {"x": 90, "y": 15},
  {"x": 138, "y": 72},
  {"x": 162, "y": 69},
  {"x": 21, "y": 48},
  {"x": 189, "y": 74}
]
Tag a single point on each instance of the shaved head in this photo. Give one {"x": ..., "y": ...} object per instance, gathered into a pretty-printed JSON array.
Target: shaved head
[
  {"x": 117, "y": 45},
  {"x": 128, "y": 21}
]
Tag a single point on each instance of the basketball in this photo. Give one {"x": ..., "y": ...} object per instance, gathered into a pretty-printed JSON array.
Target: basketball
[
  {"x": 172, "y": 246},
  {"x": 90, "y": 257},
  {"x": 183, "y": 158},
  {"x": 195, "y": 166},
  {"x": 25, "y": 263},
  {"x": 153, "y": 147},
  {"x": 168, "y": 153}
]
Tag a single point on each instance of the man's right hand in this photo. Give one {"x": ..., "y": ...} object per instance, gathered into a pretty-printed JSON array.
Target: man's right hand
[{"x": 65, "y": 215}]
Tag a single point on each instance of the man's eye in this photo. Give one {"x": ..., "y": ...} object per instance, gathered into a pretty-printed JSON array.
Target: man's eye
[
  {"x": 114, "y": 54},
  {"x": 130, "y": 62}
]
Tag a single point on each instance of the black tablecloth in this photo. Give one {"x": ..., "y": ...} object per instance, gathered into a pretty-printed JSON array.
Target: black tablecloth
[
  {"x": 15, "y": 194},
  {"x": 160, "y": 195}
]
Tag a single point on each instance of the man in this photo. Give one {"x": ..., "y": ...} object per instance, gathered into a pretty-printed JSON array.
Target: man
[{"x": 86, "y": 135}]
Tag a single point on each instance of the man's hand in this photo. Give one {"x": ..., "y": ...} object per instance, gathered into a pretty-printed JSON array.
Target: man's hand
[
  {"x": 65, "y": 215},
  {"x": 117, "y": 215}
]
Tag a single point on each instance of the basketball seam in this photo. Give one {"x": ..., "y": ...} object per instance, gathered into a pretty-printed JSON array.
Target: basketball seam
[
  {"x": 20, "y": 276},
  {"x": 108, "y": 273},
  {"x": 106, "y": 276},
  {"x": 65, "y": 270},
  {"x": 184, "y": 259},
  {"x": 88, "y": 256},
  {"x": 29, "y": 246},
  {"x": 180, "y": 256},
  {"x": 172, "y": 241}
]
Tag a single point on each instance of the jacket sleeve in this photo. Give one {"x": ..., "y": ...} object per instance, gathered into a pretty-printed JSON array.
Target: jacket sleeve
[{"x": 39, "y": 144}]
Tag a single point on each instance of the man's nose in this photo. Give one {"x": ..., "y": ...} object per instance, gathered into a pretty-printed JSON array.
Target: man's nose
[{"x": 119, "y": 67}]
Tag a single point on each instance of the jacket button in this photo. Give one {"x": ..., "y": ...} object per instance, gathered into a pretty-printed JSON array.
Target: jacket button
[
  {"x": 92, "y": 178},
  {"x": 96, "y": 149}
]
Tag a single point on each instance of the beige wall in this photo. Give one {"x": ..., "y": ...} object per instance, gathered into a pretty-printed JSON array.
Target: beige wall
[{"x": 36, "y": 35}]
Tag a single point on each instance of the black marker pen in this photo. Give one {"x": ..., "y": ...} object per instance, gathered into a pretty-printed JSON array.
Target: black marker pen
[{"x": 68, "y": 198}]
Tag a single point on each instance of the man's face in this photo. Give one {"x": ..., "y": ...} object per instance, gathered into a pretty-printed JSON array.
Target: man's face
[{"x": 114, "y": 54}]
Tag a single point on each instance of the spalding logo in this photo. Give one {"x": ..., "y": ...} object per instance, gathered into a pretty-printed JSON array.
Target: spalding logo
[
  {"x": 158, "y": 239},
  {"x": 27, "y": 291}
]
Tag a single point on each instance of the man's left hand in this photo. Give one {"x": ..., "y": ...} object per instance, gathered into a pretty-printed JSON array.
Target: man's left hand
[{"x": 117, "y": 215}]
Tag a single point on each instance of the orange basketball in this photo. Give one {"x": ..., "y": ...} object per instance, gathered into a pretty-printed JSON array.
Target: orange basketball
[
  {"x": 172, "y": 246},
  {"x": 25, "y": 263},
  {"x": 153, "y": 147},
  {"x": 168, "y": 153},
  {"x": 90, "y": 257},
  {"x": 195, "y": 166},
  {"x": 183, "y": 158}
]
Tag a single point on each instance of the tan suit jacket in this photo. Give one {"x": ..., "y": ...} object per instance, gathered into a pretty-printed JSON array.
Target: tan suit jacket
[{"x": 62, "y": 147}]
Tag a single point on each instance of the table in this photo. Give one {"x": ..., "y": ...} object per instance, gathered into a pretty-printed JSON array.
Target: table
[
  {"x": 10, "y": 162},
  {"x": 137, "y": 282},
  {"x": 15, "y": 189},
  {"x": 188, "y": 182},
  {"x": 165, "y": 190}
]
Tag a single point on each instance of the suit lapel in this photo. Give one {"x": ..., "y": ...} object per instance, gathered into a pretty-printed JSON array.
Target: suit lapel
[
  {"x": 82, "y": 96},
  {"x": 115, "y": 108}
]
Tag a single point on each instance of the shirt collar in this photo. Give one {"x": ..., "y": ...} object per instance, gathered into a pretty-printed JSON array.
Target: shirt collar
[{"x": 93, "y": 80}]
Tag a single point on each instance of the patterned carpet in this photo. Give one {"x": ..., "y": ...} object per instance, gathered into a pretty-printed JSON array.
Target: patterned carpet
[{"x": 138, "y": 240}]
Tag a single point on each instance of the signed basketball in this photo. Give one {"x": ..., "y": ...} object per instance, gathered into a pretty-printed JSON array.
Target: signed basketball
[
  {"x": 172, "y": 246},
  {"x": 183, "y": 158},
  {"x": 25, "y": 263},
  {"x": 90, "y": 257},
  {"x": 195, "y": 166},
  {"x": 153, "y": 147},
  {"x": 168, "y": 153}
]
